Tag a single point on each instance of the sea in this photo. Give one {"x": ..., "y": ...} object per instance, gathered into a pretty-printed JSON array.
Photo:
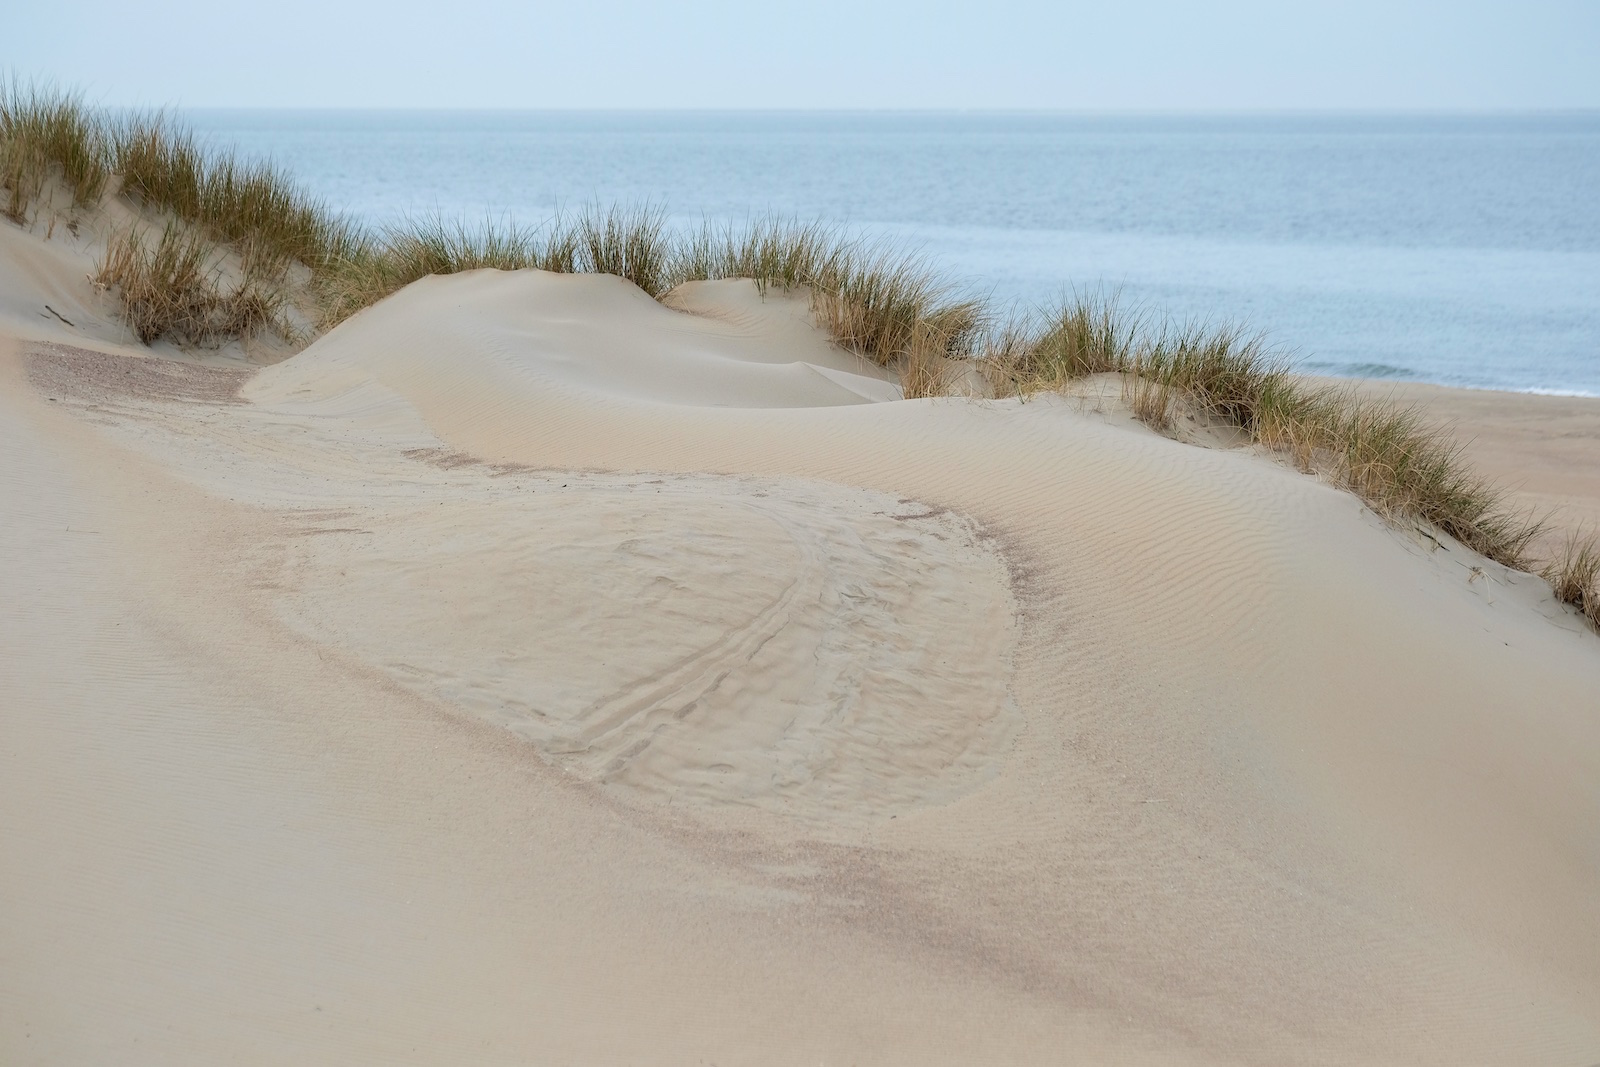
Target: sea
[{"x": 1456, "y": 249}]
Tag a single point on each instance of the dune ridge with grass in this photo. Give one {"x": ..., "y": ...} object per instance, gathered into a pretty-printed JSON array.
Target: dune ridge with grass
[
  {"x": 608, "y": 644},
  {"x": 873, "y": 299}
]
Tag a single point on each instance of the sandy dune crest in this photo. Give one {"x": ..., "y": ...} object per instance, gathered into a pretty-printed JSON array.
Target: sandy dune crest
[{"x": 527, "y": 671}]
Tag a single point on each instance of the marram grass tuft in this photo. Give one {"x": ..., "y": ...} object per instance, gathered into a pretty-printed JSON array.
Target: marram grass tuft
[
  {"x": 1574, "y": 576},
  {"x": 175, "y": 288}
]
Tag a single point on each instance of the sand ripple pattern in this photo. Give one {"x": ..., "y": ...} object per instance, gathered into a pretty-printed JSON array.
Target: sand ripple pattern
[{"x": 823, "y": 651}]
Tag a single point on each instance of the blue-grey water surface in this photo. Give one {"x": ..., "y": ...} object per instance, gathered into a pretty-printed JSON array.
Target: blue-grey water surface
[{"x": 1463, "y": 250}]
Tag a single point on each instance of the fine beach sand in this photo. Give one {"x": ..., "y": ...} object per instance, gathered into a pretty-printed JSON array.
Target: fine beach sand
[{"x": 527, "y": 672}]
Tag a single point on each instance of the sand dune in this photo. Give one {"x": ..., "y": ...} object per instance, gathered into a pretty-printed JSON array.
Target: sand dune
[{"x": 529, "y": 672}]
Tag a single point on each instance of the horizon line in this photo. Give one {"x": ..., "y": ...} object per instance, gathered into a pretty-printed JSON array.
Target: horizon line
[{"x": 1067, "y": 112}]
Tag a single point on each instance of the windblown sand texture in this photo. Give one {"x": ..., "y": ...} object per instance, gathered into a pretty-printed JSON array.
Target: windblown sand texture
[{"x": 527, "y": 672}]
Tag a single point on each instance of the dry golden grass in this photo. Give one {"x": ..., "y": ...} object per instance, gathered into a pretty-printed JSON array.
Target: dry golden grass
[
  {"x": 46, "y": 133},
  {"x": 630, "y": 244},
  {"x": 771, "y": 251},
  {"x": 925, "y": 368},
  {"x": 1150, "y": 398},
  {"x": 874, "y": 299},
  {"x": 370, "y": 271},
  {"x": 1083, "y": 336},
  {"x": 1400, "y": 465},
  {"x": 627, "y": 243},
  {"x": 1574, "y": 576},
  {"x": 250, "y": 204},
  {"x": 1406, "y": 467},
  {"x": 175, "y": 288}
]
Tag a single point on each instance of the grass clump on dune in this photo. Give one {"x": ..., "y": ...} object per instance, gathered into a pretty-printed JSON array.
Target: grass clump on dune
[
  {"x": 1399, "y": 464},
  {"x": 45, "y": 133},
  {"x": 770, "y": 251},
  {"x": 1405, "y": 466},
  {"x": 1574, "y": 576},
  {"x": 374, "y": 270},
  {"x": 874, "y": 299},
  {"x": 629, "y": 244},
  {"x": 246, "y": 203},
  {"x": 175, "y": 288},
  {"x": 888, "y": 308}
]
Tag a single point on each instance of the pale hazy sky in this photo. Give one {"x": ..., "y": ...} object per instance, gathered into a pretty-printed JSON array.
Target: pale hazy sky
[{"x": 1143, "y": 55}]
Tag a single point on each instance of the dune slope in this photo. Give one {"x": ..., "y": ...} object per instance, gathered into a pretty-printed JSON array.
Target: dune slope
[{"x": 529, "y": 672}]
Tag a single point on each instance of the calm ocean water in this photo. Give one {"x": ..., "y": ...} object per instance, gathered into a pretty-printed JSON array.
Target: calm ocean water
[{"x": 1459, "y": 250}]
